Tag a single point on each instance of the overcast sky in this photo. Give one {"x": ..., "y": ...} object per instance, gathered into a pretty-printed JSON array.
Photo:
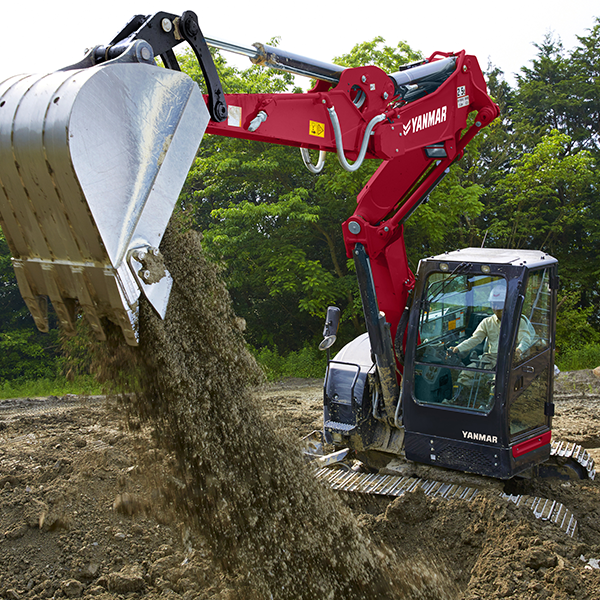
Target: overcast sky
[{"x": 44, "y": 36}]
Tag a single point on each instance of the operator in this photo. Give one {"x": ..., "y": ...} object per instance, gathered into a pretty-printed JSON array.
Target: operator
[{"x": 489, "y": 329}]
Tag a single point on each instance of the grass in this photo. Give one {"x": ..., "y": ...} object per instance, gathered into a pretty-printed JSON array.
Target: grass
[
  {"x": 307, "y": 363},
  {"x": 582, "y": 357},
  {"x": 49, "y": 387}
]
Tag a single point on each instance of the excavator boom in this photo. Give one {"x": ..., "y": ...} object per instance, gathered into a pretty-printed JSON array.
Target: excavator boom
[{"x": 94, "y": 157}]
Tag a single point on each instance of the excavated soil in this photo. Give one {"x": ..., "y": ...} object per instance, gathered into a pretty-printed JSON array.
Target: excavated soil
[
  {"x": 195, "y": 487},
  {"x": 80, "y": 519}
]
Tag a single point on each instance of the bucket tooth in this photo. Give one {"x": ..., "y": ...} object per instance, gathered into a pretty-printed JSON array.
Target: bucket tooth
[
  {"x": 38, "y": 306},
  {"x": 91, "y": 165},
  {"x": 86, "y": 302},
  {"x": 64, "y": 307}
]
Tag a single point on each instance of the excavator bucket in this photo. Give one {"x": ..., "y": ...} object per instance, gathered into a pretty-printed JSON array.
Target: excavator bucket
[{"x": 91, "y": 164}]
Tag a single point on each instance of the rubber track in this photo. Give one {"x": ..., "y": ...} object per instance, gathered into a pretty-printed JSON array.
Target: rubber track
[{"x": 396, "y": 485}]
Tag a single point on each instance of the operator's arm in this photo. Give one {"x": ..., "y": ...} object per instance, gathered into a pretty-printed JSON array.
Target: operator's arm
[
  {"x": 525, "y": 336},
  {"x": 478, "y": 336}
]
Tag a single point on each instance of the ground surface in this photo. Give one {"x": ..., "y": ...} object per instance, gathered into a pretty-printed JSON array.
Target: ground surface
[{"x": 78, "y": 517}]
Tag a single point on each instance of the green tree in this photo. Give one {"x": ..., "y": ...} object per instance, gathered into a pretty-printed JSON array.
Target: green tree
[
  {"x": 26, "y": 353},
  {"x": 13, "y": 312},
  {"x": 544, "y": 195},
  {"x": 548, "y": 202},
  {"x": 572, "y": 325},
  {"x": 561, "y": 91},
  {"x": 585, "y": 61},
  {"x": 388, "y": 58}
]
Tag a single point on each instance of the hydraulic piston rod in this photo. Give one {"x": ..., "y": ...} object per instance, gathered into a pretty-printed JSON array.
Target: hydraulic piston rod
[{"x": 275, "y": 58}]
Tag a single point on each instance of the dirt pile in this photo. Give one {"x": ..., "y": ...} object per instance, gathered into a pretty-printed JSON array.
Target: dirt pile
[
  {"x": 76, "y": 514},
  {"x": 244, "y": 487}
]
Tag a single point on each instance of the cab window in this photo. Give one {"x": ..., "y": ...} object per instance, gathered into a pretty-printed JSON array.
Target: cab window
[
  {"x": 459, "y": 329},
  {"x": 534, "y": 326}
]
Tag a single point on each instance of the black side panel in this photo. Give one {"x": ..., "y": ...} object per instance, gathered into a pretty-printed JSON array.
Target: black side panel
[
  {"x": 344, "y": 391},
  {"x": 471, "y": 457}
]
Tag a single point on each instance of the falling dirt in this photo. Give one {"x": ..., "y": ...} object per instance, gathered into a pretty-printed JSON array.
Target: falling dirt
[{"x": 195, "y": 487}]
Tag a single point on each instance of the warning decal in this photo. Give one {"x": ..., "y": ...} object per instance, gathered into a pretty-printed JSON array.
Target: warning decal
[
  {"x": 461, "y": 95},
  {"x": 234, "y": 116},
  {"x": 317, "y": 129}
]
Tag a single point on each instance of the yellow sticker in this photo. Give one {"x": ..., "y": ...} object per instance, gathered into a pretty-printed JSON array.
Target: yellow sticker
[
  {"x": 451, "y": 325},
  {"x": 317, "y": 129}
]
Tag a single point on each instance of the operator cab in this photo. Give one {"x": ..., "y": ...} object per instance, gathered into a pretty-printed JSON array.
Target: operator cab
[{"x": 478, "y": 379}]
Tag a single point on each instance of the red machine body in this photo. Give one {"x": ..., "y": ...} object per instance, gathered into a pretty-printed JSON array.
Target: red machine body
[{"x": 417, "y": 142}]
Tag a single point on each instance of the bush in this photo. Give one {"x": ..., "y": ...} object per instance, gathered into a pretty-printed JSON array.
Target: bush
[
  {"x": 28, "y": 355},
  {"x": 308, "y": 362},
  {"x": 578, "y": 358},
  {"x": 573, "y": 329}
]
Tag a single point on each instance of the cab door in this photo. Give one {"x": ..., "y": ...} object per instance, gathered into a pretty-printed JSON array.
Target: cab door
[
  {"x": 529, "y": 406},
  {"x": 452, "y": 412}
]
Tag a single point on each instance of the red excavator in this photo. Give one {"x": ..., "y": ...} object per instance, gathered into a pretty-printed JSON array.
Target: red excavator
[{"x": 456, "y": 368}]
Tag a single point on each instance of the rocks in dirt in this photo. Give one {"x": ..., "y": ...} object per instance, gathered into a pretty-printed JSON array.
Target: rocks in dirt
[
  {"x": 129, "y": 579},
  {"x": 129, "y": 504},
  {"x": 16, "y": 532},
  {"x": 414, "y": 507},
  {"x": 164, "y": 568},
  {"x": 398, "y": 467},
  {"x": 95, "y": 590},
  {"x": 53, "y": 521},
  {"x": 45, "y": 589},
  {"x": 11, "y": 480},
  {"x": 89, "y": 572},
  {"x": 596, "y": 372},
  {"x": 72, "y": 588},
  {"x": 538, "y": 558}
]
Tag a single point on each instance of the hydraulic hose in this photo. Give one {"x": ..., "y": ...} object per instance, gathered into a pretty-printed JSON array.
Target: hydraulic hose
[
  {"x": 339, "y": 144},
  {"x": 307, "y": 161}
]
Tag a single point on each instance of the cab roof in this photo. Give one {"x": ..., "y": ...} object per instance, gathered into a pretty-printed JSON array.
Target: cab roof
[{"x": 497, "y": 256}]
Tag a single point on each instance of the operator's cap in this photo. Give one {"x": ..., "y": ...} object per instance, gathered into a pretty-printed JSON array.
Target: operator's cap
[{"x": 497, "y": 296}]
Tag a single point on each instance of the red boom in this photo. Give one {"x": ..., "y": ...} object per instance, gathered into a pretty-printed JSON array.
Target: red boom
[{"x": 417, "y": 142}]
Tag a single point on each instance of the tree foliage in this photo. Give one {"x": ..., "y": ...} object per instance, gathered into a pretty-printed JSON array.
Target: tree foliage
[
  {"x": 530, "y": 180},
  {"x": 26, "y": 353},
  {"x": 545, "y": 195}
]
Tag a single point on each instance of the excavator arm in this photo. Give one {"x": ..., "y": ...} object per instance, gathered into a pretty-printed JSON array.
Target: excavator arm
[
  {"x": 84, "y": 213},
  {"x": 417, "y": 123}
]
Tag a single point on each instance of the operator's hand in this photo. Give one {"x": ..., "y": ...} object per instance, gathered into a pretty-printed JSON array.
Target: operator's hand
[{"x": 451, "y": 352}]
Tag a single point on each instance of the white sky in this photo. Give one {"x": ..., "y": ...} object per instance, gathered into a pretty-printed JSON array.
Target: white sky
[{"x": 42, "y": 36}]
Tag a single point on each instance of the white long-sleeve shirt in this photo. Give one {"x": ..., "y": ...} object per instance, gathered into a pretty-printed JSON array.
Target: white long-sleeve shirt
[{"x": 490, "y": 328}]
